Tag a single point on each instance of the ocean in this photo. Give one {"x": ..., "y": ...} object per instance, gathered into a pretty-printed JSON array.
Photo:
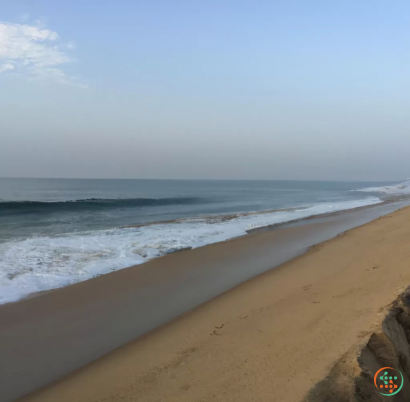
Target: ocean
[{"x": 55, "y": 232}]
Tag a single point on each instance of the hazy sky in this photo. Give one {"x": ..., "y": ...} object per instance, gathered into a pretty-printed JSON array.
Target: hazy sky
[{"x": 205, "y": 89}]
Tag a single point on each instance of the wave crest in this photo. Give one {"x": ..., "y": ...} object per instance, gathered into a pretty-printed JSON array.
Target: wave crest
[
  {"x": 18, "y": 207},
  {"x": 401, "y": 188}
]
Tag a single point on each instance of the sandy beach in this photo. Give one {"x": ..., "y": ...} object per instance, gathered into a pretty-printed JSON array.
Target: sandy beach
[
  {"x": 204, "y": 201},
  {"x": 272, "y": 338}
]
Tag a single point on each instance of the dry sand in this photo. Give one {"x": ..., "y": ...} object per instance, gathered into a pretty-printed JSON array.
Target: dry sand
[{"x": 270, "y": 339}]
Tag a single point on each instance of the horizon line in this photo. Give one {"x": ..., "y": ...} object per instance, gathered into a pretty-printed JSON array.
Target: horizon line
[{"x": 169, "y": 179}]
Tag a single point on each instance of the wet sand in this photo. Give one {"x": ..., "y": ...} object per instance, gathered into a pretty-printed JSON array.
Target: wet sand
[{"x": 52, "y": 334}]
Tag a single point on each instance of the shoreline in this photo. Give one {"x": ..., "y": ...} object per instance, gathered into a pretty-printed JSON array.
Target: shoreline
[
  {"x": 231, "y": 216},
  {"x": 228, "y": 217},
  {"x": 54, "y": 333},
  {"x": 38, "y": 264},
  {"x": 291, "y": 223},
  {"x": 308, "y": 219}
]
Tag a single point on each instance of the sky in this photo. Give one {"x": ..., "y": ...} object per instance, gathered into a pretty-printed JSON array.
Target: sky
[{"x": 217, "y": 89}]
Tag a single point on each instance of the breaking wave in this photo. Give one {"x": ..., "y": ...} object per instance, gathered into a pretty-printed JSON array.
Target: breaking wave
[
  {"x": 47, "y": 262},
  {"x": 396, "y": 189},
  {"x": 27, "y": 207}
]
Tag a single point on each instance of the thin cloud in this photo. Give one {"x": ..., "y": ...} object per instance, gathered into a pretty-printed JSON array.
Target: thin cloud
[
  {"x": 6, "y": 67},
  {"x": 33, "y": 52}
]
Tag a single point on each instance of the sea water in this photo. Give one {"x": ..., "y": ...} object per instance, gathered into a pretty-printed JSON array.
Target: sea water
[{"x": 55, "y": 232}]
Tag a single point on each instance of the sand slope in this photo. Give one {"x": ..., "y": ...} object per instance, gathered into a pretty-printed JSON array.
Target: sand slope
[{"x": 270, "y": 339}]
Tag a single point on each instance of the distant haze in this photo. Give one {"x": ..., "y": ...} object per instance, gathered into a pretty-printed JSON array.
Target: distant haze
[{"x": 216, "y": 89}]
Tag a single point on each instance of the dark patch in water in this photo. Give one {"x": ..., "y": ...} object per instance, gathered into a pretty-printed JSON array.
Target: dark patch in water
[{"x": 35, "y": 207}]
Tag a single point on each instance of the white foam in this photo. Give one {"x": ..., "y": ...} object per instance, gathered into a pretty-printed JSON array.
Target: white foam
[
  {"x": 43, "y": 263},
  {"x": 401, "y": 188}
]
